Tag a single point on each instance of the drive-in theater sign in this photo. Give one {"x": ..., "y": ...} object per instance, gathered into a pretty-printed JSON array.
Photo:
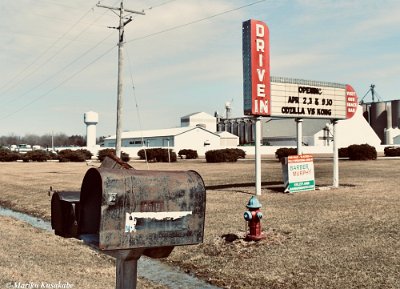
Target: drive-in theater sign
[
  {"x": 264, "y": 95},
  {"x": 283, "y": 97}
]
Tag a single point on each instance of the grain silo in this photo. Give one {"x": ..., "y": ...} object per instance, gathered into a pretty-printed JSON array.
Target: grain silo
[
  {"x": 366, "y": 108},
  {"x": 378, "y": 118},
  {"x": 396, "y": 113}
]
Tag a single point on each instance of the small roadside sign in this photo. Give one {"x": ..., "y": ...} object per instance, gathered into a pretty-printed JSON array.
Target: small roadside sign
[{"x": 298, "y": 173}]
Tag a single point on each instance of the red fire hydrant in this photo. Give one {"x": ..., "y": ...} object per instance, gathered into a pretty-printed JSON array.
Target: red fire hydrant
[{"x": 253, "y": 216}]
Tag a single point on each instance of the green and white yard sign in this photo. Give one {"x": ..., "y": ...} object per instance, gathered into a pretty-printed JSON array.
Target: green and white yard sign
[{"x": 298, "y": 173}]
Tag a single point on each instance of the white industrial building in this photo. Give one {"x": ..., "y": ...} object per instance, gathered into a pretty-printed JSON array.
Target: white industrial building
[
  {"x": 200, "y": 119},
  {"x": 198, "y": 132},
  {"x": 396, "y": 140}
]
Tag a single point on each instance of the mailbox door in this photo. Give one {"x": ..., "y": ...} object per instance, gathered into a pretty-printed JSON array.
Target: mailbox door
[{"x": 65, "y": 213}]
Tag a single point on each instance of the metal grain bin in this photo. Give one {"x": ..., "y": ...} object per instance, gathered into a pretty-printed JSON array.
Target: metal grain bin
[
  {"x": 395, "y": 113},
  {"x": 378, "y": 118}
]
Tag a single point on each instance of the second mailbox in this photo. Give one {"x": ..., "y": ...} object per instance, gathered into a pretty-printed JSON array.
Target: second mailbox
[{"x": 129, "y": 209}]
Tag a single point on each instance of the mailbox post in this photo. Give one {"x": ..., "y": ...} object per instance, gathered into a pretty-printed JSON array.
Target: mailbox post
[{"x": 127, "y": 213}]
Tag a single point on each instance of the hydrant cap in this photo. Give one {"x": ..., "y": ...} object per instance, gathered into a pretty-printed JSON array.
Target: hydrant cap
[{"x": 253, "y": 203}]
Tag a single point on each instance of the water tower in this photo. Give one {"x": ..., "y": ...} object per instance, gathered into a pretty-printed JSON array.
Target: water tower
[{"x": 91, "y": 118}]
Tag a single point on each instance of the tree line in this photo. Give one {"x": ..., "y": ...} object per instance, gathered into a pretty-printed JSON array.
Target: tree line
[{"x": 45, "y": 141}]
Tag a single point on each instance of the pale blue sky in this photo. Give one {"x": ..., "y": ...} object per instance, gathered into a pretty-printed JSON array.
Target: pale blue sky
[{"x": 55, "y": 66}]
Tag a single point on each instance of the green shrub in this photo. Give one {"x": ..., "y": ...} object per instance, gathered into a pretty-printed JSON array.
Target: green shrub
[
  {"x": 36, "y": 156},
  {"x": 8, "y": 156},
  {"x": 142, "y": 154},
  {"x": 188, "y": 153},
  {"x": 157, "y": 155},
  {"x": 106, "y": 152},
  {"x": 53, "y": 155},
  {"x": 362, "y": 152},
  {"x": 285, "y": 152},
  {"x": 88, "y": 155},
  {"x": 70, "y": 156},
  {"x": 241, "y": 154},
  {"x": 392, "y": 151},
  {"x": 344, "y": 152},
  {"x": 223, "y": 155}
]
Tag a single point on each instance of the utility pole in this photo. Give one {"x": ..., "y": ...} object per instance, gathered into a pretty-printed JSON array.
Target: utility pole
[{"x": 120, "y": 28}]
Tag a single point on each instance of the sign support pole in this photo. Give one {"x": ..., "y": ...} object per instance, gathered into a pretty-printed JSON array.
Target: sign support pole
[
  {"x": 335, "y": 156},
  {"x": 299, "y": 129},
  {"x": 258, "y": 156}
]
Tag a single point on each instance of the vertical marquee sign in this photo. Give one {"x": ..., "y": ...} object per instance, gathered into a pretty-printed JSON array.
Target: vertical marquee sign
[{"x": 256, "y": 68}]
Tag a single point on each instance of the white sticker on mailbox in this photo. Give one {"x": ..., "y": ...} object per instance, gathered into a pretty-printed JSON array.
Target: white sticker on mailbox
[{"x": 131, "y": 218}]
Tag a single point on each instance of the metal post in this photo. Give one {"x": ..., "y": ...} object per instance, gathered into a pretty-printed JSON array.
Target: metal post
[
  {"x": 299, "y": 129},
  {"x": 52, "y": 141},
  {"x": 335, "y": 156},
  {"x": 258, "y": 156},
  {"x": 246, "y": 133},
  {"x": 126, "y": 274},
  {"x": 126, "y": 267},
  {"x": 169, "y": 155}
]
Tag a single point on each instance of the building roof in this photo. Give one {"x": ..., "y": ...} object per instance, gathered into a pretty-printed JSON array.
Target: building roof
[
  {"x": 225, "y": 135},
  {"x": 198, "y": 113},
  {"x": 189, "y": 115},
  {"x": 157, "y": 132}
]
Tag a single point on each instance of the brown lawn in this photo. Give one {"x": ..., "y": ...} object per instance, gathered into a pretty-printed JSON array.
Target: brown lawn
[{"x": 332, "y": 238}]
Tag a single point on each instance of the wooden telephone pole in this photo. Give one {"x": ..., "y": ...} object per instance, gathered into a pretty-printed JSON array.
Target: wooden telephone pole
[{"x": 120, "y": 28}]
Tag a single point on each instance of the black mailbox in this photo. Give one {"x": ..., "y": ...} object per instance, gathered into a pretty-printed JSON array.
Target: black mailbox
[
  {"x": 65, "y": 213},
  {"x": 131, "y": 209}
]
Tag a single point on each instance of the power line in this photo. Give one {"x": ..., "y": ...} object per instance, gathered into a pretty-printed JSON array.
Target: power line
[
  {"x": 56, "y": 53},
  {"x": 42, "y": 54},
  {"x": 59, "y": 85},
  {"x": 194, "y": 21},
  {"x": 136, "y": 39},
  {"x": 137, "y": 110},
  {"x": 158, "y": 5},
  {"x": 58, "y": 4},
  {"x": 61, "y": 70}
]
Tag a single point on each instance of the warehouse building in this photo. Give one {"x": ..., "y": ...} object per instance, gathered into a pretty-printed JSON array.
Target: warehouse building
[
  {"x": 202, "y": 132},
  {"x": 193, "y": 134}
]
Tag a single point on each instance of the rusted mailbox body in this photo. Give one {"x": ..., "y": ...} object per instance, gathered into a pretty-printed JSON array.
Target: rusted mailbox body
[
  {"x": 127, "y": 213},
  {"x": 129, "y": 209}
]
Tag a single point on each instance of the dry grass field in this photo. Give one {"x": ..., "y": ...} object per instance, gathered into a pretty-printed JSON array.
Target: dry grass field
[{"x": 330, "y": 238}]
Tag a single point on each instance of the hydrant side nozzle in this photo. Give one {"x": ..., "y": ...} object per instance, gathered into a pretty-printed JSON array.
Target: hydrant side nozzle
[
  {"x": 247, "y": 215},
  {"x": 259, "y": 215}
]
